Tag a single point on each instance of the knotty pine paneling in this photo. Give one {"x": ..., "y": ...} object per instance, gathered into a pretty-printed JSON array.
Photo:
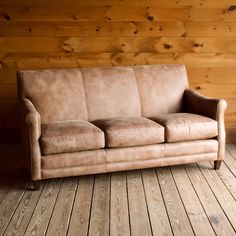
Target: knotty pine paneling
[
  {"x": 117, "y": 44},
  {"x": 160, "y": 3},
  {"x": 62, "y": 34},
  {"x": 57, "y": 13}
]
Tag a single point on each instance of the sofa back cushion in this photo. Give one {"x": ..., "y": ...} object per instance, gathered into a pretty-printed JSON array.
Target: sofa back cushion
[
  {"x": 102, "y": 93},
  {"x": 161, "y": 88},
  {"x": 111, "y": 92},
  {"x": 56, "y": 94}
]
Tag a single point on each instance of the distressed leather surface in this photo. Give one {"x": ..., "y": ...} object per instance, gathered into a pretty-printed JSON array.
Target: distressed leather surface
[
  {"x": 89, "y": 94},
  {"x": 111, "y": 92},
  {"x": 161, "y": 88},
  {"x": 57, "y": 94},
  {"x": 128, "y": 155},
  {"x": 70, "y": 136},
  {"x": 187, "y": 126},
  {"x": 197, "y": 103},
  {"x": 130, "y": 131}
]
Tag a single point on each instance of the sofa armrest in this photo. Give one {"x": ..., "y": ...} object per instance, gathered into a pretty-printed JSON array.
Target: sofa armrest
[
  {"x": 31, "y": 132},
  {"x": 32, "y": 117},
  {"x": 199, "y": 104}
]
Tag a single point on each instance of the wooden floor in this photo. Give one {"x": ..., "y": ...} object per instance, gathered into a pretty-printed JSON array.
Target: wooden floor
[{"x": 182, "y": 200}]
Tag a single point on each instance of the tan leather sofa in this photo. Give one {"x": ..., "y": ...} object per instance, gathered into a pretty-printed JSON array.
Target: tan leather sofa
[{"x": 96, "y": 120}]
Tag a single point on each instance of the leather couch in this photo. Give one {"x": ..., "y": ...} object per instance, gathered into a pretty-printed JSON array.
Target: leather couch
[{"x": 97, "y": 120}]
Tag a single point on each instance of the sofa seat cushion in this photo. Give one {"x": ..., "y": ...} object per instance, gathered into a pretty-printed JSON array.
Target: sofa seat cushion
[
  {"x": 70, "y": 136},
  {"x": 186, "y": 127},
  {"x": 130, "y": 131}
]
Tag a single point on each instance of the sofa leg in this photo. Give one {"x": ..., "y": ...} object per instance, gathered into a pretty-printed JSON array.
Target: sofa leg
[
  {"x": 35, "y": 185},
  {"x": 217, "y": 165}
]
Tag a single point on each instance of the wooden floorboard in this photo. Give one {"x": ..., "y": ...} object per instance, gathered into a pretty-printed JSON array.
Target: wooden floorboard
[
  {"x": 99, "y": 220},
  {"x": 158, "y": 216},
  {"x": 139, "y": 218},
  {"x": 193, "y": 206},
  {"x": 214, "y": 211},
  {"x": 61, "y": 215},
  {"x": 181, "y": 200},
  {"x": 179, "y": 219},
  {"x": 40, "y": 219},
  {"x": 23, "y": 213},
  {"x": 82, "y": 206},
  {"x": 119, "y": 213},
  {"x": 222, "y": 194}
]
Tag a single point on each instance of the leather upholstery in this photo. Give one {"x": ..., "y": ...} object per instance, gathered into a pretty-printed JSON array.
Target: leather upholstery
[
  {"x": 179, "y": 160},
  {"x": 121, "y": 166},
  {"x": 114, "y": 159},
  {"x": 70, "y": 136},
  {"x": 130, "y": 131},
  {"x": 186, "y": 127},
  {"x": 31, "y": 131},
  {"x": 210, "y": 107},
  {"x": 111, "y": 92},
  {"x": 160, "y": 151},
  {"x": 57, "y": 95},
  {"x": 161, "y": 88},
  {"x": 73, "y": 171},
  {"x": 73, "y": 159},
  {"x": 128, "y": 154},
  {"x": 52, "y": 100}
]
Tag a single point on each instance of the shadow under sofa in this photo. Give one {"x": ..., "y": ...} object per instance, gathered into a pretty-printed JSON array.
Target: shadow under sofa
[{"x": 96, "y": 120}]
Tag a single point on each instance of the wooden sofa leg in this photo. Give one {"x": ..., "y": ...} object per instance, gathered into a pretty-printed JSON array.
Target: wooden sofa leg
[
  {"x": 35, "y": 185},
  {"x": 217, "y": 165}
]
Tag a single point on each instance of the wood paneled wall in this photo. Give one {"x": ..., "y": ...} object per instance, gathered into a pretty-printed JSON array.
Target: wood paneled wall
[{"x": 71, "y": 33}]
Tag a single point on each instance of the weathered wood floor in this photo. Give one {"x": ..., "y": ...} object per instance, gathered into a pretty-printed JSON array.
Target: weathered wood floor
[{"x": 182, "y": 200}]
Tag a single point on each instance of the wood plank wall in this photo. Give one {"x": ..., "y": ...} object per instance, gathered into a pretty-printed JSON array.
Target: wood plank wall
[{"x": 71, "y": 33}]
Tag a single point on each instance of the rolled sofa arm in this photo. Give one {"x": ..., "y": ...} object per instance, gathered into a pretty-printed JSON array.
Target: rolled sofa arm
[
  {"x": 199, "y": 104},
  {"x": 31, "y": 131}
]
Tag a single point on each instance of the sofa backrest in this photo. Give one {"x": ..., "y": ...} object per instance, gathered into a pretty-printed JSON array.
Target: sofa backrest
[
  {"x": 56, "y": 94},
  {"x": 111, "y": 92},
  {"x": 161, "y": 88},
  {"x": 99, "y": 93}
]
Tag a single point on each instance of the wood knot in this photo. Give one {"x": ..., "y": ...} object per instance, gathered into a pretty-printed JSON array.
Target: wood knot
[
  {"x": 150, "y": 18},
  {"x": 74, "y": 18},
  {"x": 198, "y": 88},
  {"x": 167, "y": 46},
  {"x": 118, "y": 60},
  {"x": 6, "y": 17},
  {"x": 232, "y": 8},
  {"x": 198, "y": 45}
]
